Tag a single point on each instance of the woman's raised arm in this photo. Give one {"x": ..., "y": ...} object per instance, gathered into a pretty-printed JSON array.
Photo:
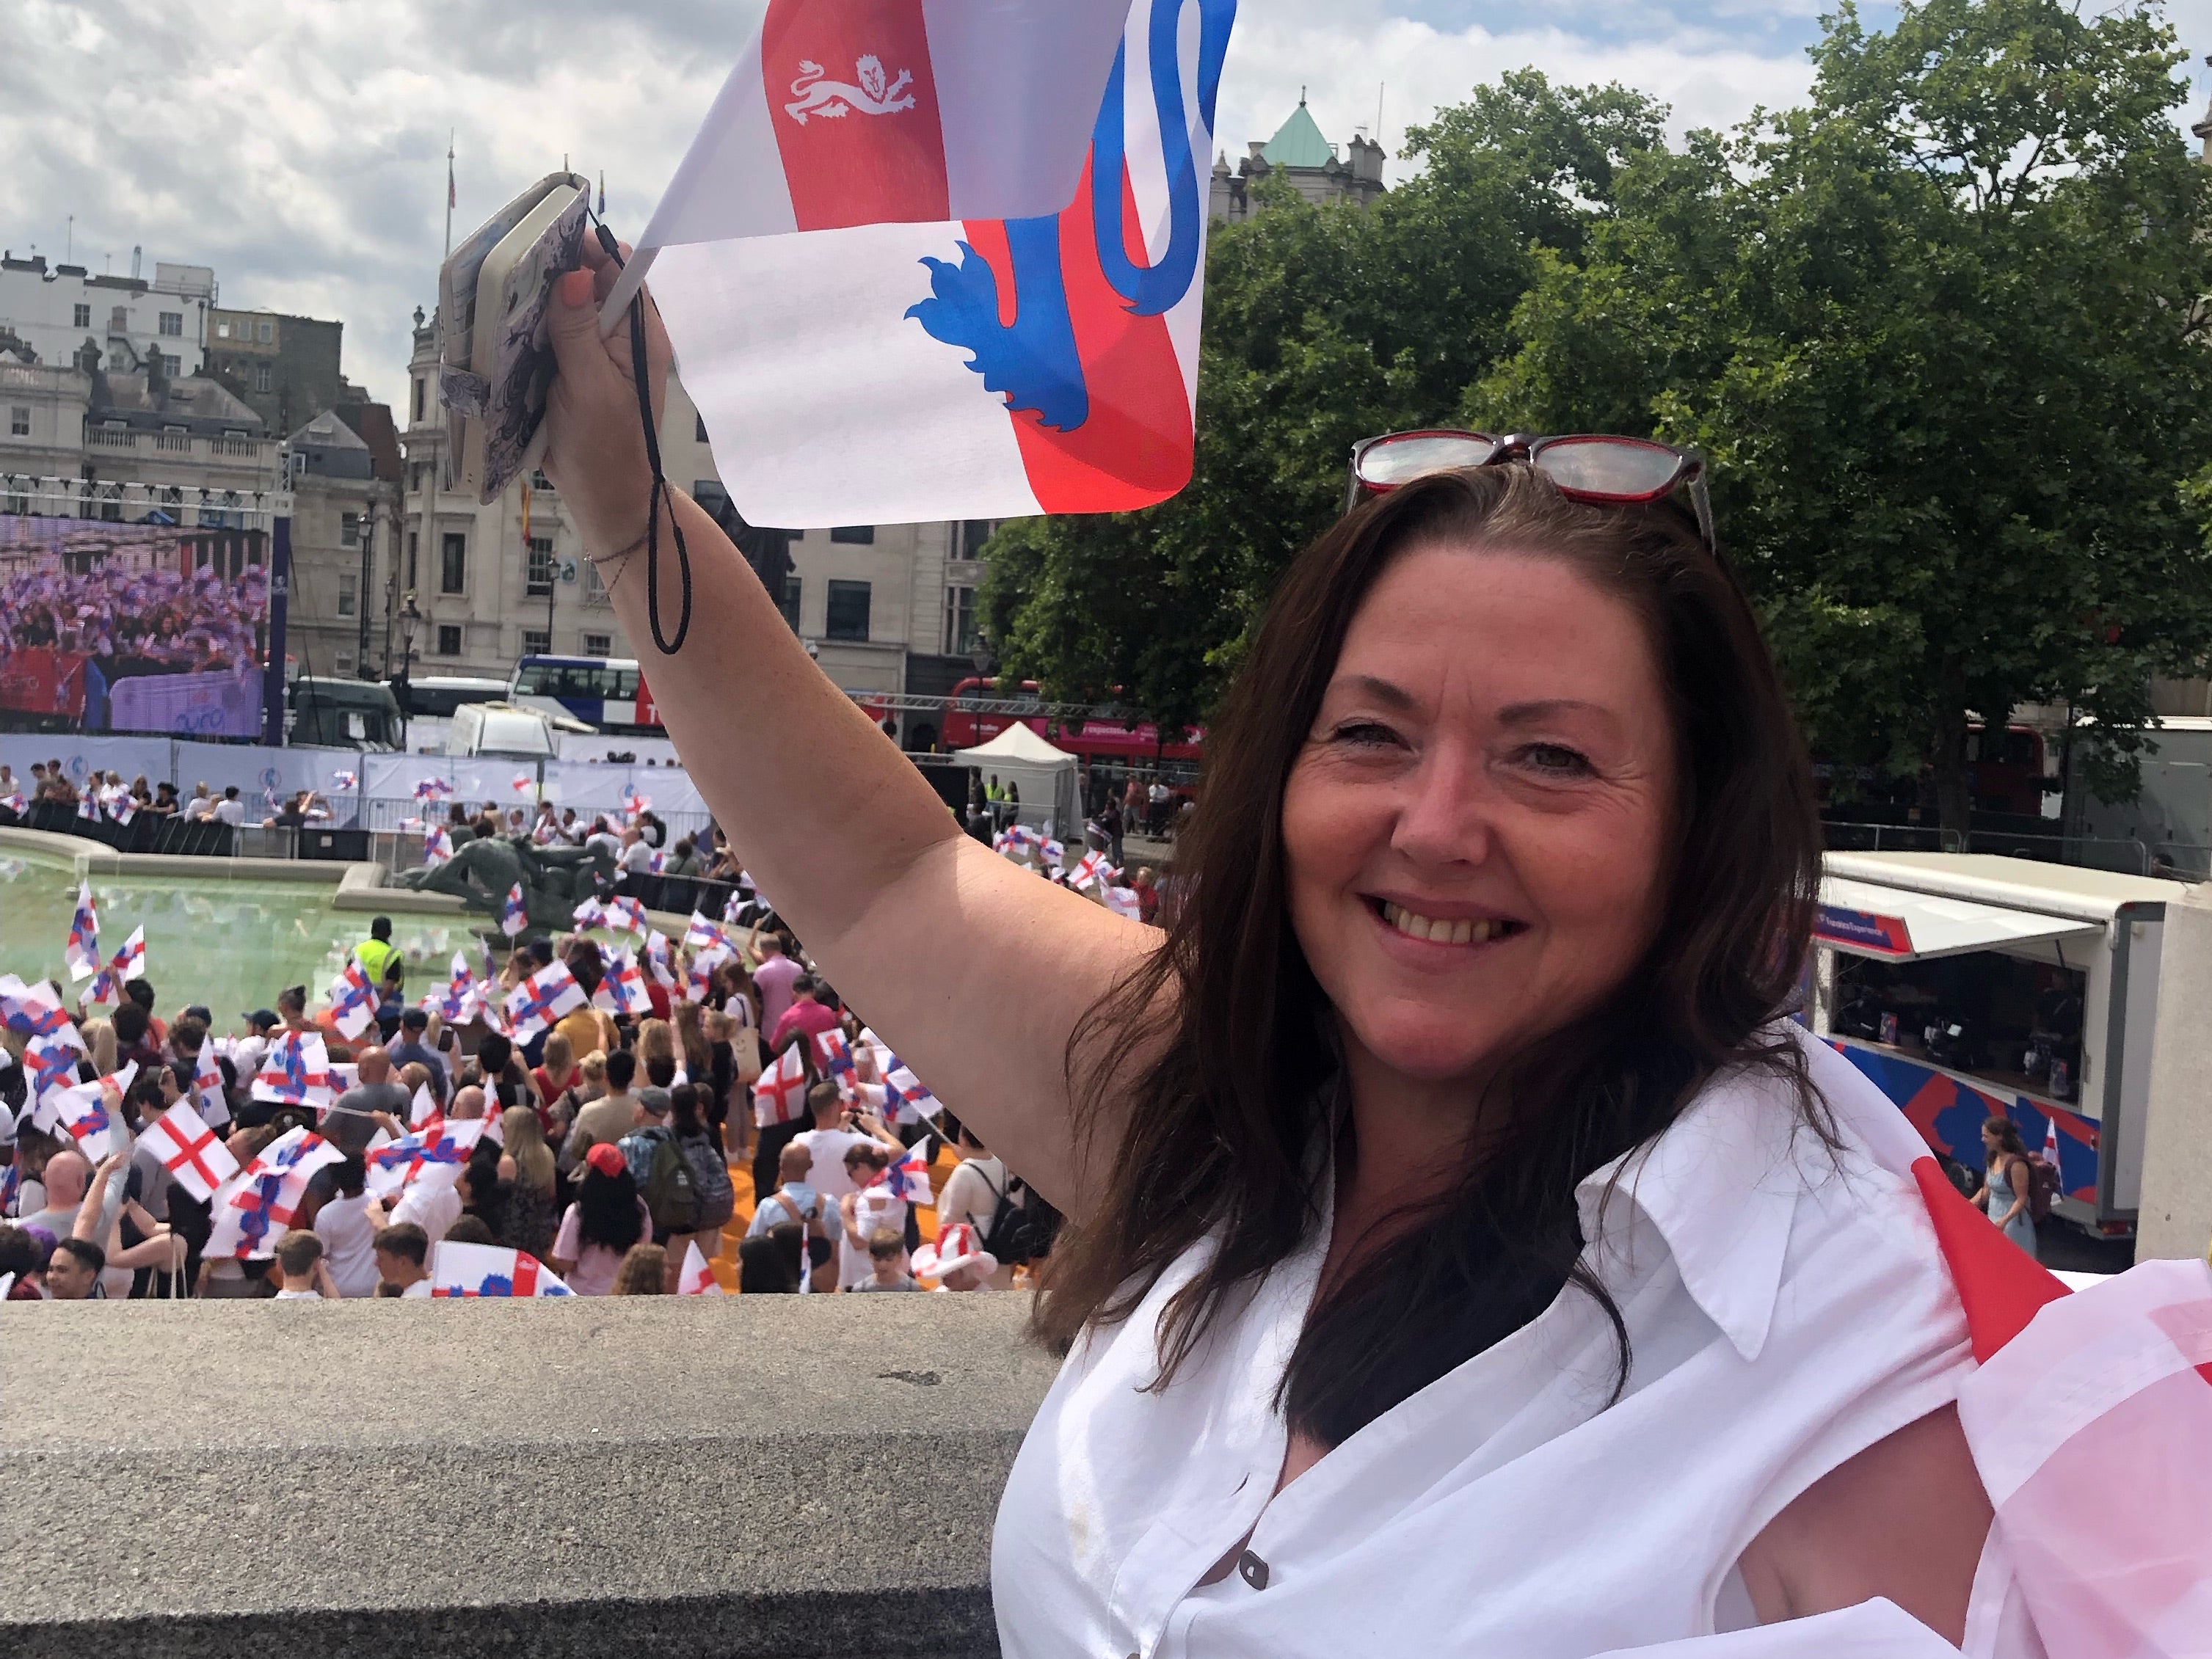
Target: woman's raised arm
[{"x": 975, "y": 971}]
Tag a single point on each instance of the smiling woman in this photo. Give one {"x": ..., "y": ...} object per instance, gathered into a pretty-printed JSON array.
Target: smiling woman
[{"x": 1465, "y": 1246}]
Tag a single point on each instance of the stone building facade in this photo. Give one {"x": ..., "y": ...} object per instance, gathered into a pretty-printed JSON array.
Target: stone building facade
[
  {"x": 1312, "y": 165},
  {"x": 884, "y": 608},
  {"x": 49, "y": 314}
]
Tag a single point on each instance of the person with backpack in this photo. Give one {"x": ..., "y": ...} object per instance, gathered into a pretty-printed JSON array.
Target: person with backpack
[
  {"x": 979, "y": 1194},
  {"x": 715, "y": 1197},
  {"x": 2009, "y": 1189},
  {"x": 657, "y": 1167}
]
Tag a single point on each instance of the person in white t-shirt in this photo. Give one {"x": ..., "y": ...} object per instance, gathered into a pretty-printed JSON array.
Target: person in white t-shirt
[
  {"x": 201, "y": 805},
  {"x": 347, "y": 1224},
  {"x": 307, "y": 1275},
  {"x": 402, "y": 1251},
  {"x": 230, "y": 809}
]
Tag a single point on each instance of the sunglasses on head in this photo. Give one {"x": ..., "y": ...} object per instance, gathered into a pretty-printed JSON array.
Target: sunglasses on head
[{"x": 1586, "y": 467}]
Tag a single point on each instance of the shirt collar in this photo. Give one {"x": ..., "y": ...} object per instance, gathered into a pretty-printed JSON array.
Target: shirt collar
[{"x": 1720, "y": 1186}]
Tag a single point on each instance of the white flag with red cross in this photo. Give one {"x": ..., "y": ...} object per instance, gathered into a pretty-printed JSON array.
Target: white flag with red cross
[
  {"x": 191, "y": 1152},
  {"x": 780, "y": 1096},
  {"x": 697, "y": 1277}
]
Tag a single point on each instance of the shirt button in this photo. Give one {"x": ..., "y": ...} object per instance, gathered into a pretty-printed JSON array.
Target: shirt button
[{"x": 1252, "y": 1570}]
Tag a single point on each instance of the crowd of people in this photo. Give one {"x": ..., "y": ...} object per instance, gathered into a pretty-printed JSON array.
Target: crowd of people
[
  {"x": 133, "y": 621},
  {"x": 600, "y": 1144}
]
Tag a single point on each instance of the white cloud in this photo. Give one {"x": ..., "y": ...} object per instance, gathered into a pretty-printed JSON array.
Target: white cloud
[{"x": 298, "y": 146}]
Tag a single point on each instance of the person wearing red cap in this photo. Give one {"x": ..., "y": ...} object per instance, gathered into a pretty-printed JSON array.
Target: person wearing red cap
[{"x": 607, "y": 1218}]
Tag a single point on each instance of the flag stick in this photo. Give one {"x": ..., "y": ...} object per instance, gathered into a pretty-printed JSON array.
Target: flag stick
[{"x": 625, "y": 290}]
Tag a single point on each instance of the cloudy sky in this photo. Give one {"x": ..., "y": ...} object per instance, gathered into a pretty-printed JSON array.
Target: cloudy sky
[{"x": 299, "y": 146}]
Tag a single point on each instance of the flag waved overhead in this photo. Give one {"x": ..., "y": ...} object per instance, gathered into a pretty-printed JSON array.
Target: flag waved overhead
[{"x": 974, "y": 368}]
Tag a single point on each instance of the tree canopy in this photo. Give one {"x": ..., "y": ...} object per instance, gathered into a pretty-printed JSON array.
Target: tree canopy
[{"x": 1939, "y": 331}]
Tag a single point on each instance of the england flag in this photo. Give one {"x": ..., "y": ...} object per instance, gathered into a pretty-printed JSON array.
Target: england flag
[
  {"x": 514, "y": 914},
  {"x": 908, "y": 1178},
  {"x": 780, "y": 1096},
  {"x": 82, "y": 950},
  {"x": 621, "y": 987},
  {"x": 352, "y": 1000},
  {"x": 296, "y": 1071},
  {"x": 251, "y": 1210},
  {"x": 697, "y": 1276},
  {"x": 896, "y": 339},
  {"x": 486, "y": 1270},
  {"x": 535, "y": 1004},
  {"x": 189, "y": 1151}
]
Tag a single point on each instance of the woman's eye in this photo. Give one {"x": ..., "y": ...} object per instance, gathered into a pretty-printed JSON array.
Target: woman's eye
[
  {"x": 1556, "y": 760},
  {"x": 1363, "y": 734}
]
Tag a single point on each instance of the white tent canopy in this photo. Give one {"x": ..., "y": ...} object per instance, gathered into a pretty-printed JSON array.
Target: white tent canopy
[{"x": 1044, "y": 776}]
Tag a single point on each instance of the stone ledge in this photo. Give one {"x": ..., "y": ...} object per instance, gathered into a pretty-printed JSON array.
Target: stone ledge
[{"x": 788, "y": 1476}]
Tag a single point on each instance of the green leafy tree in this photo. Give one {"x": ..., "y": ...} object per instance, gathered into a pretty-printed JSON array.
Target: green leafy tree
[
  {"x": 1938, "y": 331},
  {"x": 1323, "y": 326}
]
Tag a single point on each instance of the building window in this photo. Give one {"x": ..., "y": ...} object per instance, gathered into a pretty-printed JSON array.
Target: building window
[
  {"x": 974, "y": 533},
  {"x": 536, "y": 642},
  {"x": 790, "y": 606},
  {"x": 449, "y": 639},
  {"x": 847, "y": 618},
  {"x": 418, "y": 400},
  {"x": 171, "y": 366},
  {"x": 701, "y": 421},
  {"x": 959, "y": 622},
  {"x": 453, "y": 565},
  {"x": 349, "y": 595},
  {"x": 598, "y": 645},
  {"x": 349, "y": 530},
  {"x": 173, "y": 323},
  {"x": 19, "y": 421},
  {"x": 595, "y": 587},
  {"x": 264, "y": 330},
  {"x": 538, "y": 572},
  {"x": 261, "y": 378},
  {"x": 342, "y": 661},
  {"x": 222, "y": 330},
  {"x": 81, "y": 316},
  {"x": 859, "y": 535}
]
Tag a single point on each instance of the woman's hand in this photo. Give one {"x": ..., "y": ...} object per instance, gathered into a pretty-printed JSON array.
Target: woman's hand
[{"x": 595, "y": 445}]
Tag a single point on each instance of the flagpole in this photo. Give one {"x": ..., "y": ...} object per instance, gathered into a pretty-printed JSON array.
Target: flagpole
[{"x": 449, "y": 192}]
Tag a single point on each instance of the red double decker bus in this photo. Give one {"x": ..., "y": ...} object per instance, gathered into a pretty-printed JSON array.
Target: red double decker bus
[{"x": 978, "y": 711}]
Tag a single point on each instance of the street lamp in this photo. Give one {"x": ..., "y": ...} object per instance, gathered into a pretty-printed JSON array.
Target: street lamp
[{"x": 368, "y": 581}]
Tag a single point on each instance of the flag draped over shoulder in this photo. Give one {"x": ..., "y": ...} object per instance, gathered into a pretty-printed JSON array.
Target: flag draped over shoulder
[{"x": 987, "y": 366}]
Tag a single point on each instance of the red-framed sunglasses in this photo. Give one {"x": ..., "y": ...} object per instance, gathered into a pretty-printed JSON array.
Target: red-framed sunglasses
[{"x": 1586, "y": 467}]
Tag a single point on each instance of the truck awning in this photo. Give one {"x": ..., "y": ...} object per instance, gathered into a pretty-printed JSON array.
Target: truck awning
[{"x": 1888, "y": 922}]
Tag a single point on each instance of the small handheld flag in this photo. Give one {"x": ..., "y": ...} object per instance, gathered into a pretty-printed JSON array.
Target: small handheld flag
[
  {"x": 345, "y": 780},
  {"x": 437, "y": 846},
  {"x": 352, "y": 1000},
  {"x": 908, "y": 1177},
  {"x": 780, "y": 1096},
  {"x": 296, "y": 1071},
  {"x": 515, "y": 915},
  {"x": 466, "y": 1270},
  {"x": 534, "y": 1006},
  {"x": 189, "y": 1151},
  {"x": 255, "y": 1205},
  {"x": 626, "y": 914},
  {"x": 83, "y": 952},
  {"x": 697, "y": 1277},
  {"x": 837, "y": 1057},
  {"x": 621, "y": 987}
]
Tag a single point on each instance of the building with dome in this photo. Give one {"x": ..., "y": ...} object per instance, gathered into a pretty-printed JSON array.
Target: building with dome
[{"x": 1312, "y": 164}]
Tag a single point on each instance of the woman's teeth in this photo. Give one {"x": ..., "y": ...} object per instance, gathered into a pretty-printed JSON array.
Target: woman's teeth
[{"x": 1437, "y": 931}]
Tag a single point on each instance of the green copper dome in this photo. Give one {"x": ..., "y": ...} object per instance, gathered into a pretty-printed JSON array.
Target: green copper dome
[{"x": 1298, "y": 142}]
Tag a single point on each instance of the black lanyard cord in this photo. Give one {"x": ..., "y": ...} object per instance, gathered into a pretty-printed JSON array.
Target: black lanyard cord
[{"x": 667, "y": 647}]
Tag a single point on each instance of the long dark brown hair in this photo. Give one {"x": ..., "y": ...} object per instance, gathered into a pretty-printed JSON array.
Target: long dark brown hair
[{"x": 1221, "y": 1132}]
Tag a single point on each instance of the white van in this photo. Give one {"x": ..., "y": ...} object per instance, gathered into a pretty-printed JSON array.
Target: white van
[{"x": 501, "y": 728}]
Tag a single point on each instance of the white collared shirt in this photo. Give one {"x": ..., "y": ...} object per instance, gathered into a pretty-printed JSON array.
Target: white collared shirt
[{"x": 1786, "y": 1309}]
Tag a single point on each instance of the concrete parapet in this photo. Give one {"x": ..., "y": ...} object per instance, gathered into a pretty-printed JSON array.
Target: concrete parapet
[
  {"x": 777, "y": 1476},
  {"x": 2175, "y": 1220}
]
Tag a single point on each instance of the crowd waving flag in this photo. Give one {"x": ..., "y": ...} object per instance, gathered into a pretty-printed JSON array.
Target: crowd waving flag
[
  {"x": 990, "y": 363},
  {"x": 514, "y": 914},
  {"x": 251, "y": 1210},
  {"x": 908, "y": 1177},
  {"x": 352, "y": 1000},
  {"x": 621, "y": 987},
  {"x": 32, "y": 1010},
  {"x": 540, "y": 1000}
]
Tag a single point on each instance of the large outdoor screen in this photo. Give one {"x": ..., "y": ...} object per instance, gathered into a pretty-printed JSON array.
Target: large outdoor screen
[{"x": 133, "y": 627}]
